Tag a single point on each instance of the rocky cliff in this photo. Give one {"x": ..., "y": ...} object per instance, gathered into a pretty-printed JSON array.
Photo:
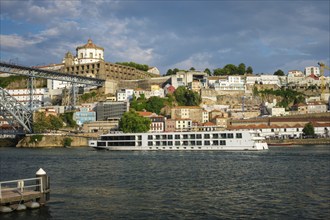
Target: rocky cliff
[{"x": 52, "y": 141}]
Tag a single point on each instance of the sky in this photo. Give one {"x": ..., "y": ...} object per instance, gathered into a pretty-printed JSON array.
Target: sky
[{"x": 264, "y": 34}]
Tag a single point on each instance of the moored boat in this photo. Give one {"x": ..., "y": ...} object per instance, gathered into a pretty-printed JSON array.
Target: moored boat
[{"x": 202, "y": 140}]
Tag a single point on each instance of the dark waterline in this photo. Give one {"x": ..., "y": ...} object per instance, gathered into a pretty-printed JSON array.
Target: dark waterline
[{"x": 282, "y": 183}]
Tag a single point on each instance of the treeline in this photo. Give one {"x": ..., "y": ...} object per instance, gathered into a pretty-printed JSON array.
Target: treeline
[
  {"x": 142, "y": 67},
  {"x": 288, "y": 97},
  {"x": 229, "y": 69}
]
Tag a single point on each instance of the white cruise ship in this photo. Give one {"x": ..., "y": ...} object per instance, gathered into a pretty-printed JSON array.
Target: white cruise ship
[{"x": 211, "y": 140}]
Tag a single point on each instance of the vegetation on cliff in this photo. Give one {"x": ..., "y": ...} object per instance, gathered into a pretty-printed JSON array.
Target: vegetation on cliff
[
  {"x": 43, "y": 123},
  {"x": 288, "y": 97},
  {"x": 20, "y": 82},
  {"x": 186, "y": 97},
  {"x": 142, "y": 67},
  {"x": 5, "y": 81},
  {"x": 182, "y": 97}
]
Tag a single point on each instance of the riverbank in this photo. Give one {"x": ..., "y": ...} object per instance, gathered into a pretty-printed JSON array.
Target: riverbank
[{"x": 309, "y": 141}]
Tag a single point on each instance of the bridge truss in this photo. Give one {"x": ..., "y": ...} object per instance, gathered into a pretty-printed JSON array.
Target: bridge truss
[
  {"x": 23, "y": 115},
  {"x": 9, "y": 104}
]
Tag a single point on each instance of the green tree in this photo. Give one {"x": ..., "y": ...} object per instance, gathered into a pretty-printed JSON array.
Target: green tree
[
  {"x": 55, "y": 122},
  {"x": 40, "y": 124},
  {"x": 279, "y": 73},
  {"x": 131, "y": 122},
  {"x": 155, "y": 104},
  {"x": 138, "y": 104},
  {"x": 308, "y": 130},
  {"x": 179, "y": 95},
  {"x": 217, "y": 72},
  {"x": 208, "y": 71},
  {"x": 67, "y": 118},
  {"x": 230, "y": 69},
  {"x": 249, "y": 70},
  {"x": 192, "y": 69},
  {"x": 241, "y": 69},
  {"x": 185, "y": 97},
  {"x": 169, "y": 72},
  {"x": 192, "y": 98},
  {"x": 67, "y": 142}
]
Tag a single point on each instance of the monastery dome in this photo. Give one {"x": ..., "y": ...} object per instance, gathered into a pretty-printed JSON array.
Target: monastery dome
[{"x": 90, "y": 45}]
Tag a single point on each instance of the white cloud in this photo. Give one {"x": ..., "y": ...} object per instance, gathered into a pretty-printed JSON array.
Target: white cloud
[{"x": 16, "y": 42}]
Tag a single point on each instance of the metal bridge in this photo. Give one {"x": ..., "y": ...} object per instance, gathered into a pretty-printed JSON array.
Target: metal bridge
[
  {"x": 11, "y": 108},
  {"x": 47, "y": 74}
]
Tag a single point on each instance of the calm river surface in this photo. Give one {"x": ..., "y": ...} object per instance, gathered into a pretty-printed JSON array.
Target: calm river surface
[{"x": 281, "y": 183}]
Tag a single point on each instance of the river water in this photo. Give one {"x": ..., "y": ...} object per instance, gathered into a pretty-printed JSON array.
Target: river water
[{"x": 281, "y": 183}]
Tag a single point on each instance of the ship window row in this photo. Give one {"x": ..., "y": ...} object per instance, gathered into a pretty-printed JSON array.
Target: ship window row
[
  {"x": 195, "y": 136},
  {"x": 131, "y": 143},
  {"x": 121, "y": 138},
  {"x": 186, "y": 143},
  {"x": 103, "y": 144}
]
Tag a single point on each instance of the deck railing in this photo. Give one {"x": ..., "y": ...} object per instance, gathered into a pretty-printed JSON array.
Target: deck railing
[{"x": 31, "y": 184}]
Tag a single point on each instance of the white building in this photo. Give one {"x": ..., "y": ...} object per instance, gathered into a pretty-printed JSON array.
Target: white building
[
  {"x": 295, "y": 73},
  {"x": 153, "y": 70},
  {"x": 230, "y": 83},
  {"x": 312, "y": 70},
  {"x": 186, "y": 78},
  {"x": 183, "y": 124},
  {"x": 124, "y": 95},
  {"x": 264, "y": 79},
  {"x": 88, "y": 53},
  {"x": 40, "y": 96},
  {"x": 277, "y": 111}
]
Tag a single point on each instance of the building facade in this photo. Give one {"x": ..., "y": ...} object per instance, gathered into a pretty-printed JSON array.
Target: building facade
[{"x": 106, "y": 111}]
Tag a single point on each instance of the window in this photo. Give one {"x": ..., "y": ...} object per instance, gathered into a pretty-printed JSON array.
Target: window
[
  {"x": 198, "y": 136},
  {"x": 239, "y": 135},
  {"x": 230, "y": 135},
  {"x": 207, "y": 136},
  {"x": 199, "y": 142},
  {"x": 207, "y": 142},
  {"x": 223, "y": 135},
  {"x": 222, "y": 142}
]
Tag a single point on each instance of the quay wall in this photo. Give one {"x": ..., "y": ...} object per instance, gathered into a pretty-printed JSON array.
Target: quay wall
[
  {"x": 53, "y": 141},
  {"x": 309, "y": 141}
]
